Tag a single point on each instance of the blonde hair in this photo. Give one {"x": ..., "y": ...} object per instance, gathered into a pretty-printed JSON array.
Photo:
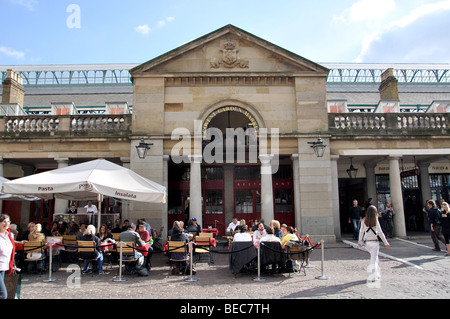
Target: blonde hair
[
  {"x": 90, "y": 230},
  {"x": 275, "y": 223}
]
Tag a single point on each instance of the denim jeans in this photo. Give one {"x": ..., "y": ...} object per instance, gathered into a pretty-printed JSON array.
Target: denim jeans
[
  {"x": 356, "y": 225},
  {"x": 99, "y": 262},
  {"x": 3, "y": 291}
]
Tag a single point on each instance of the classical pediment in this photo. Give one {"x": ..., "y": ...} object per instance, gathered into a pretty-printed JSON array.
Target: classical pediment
[{"x": 229, "y": 50}]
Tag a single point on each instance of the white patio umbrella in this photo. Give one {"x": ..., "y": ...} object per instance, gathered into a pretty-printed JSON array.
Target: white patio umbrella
[
  {"x": 14, "y": 197},
  {"x": 88, "y": 181}
]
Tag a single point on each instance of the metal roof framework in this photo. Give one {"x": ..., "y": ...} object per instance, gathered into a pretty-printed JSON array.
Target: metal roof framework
[
  {"x": 371, "y": 73},
  {"x": 86, "y": 74}
]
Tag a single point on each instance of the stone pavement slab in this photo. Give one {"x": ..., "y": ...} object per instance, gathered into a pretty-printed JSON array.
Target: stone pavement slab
[{"x": 344, "y": 266}]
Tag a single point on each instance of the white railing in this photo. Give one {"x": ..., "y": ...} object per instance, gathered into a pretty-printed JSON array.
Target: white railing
[
  {"x": 390, "y": 121},
  {"x": 72, "y": 123}
]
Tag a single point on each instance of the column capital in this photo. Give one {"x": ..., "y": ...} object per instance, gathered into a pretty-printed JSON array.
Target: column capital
[
  {"x": 196, "y": 158},
  {"x": 265, "y": 159},
  {"x": 295, "y": 157},
  {"x": 63, "y": 160},
  {"x": 370, "y": 165},
  {"x": 394, "y": 157},
  {"x": 166, "y": 158},
  {"x": 423, "y": 165}
]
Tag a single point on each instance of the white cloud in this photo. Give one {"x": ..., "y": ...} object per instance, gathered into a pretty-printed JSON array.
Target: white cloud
[
  {"x": 366, "y": 10},
  {"x": 162, "y": 23},
  {"x": 143, "y": 29},
  {"x": 420, "y": 36},
  {"x": 12, "y": 53},
  {"x": 29, "y": 4}
]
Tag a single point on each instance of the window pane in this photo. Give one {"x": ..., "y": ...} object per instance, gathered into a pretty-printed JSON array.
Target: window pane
[{"x": 244, "y": 202}]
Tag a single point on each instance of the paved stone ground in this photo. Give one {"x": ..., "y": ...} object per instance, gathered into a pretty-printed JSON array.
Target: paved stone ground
[{"x": 409, "y": 270}]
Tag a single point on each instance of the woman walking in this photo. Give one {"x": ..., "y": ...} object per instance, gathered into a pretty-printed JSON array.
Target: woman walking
[
  {"x": 7, "y": 249},
  {"x": 446, "y": 226},
  {"x": 370, "y": 234}
]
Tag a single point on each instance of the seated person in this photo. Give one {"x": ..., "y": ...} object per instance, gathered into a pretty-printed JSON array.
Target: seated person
[
  {"x": 242, "y": 235},
  {"x": 145, "y": 236},
  {"x": 259, "y": 233},
  {"x": 130, "y": 235},
  {"x": 270, "y": 236},
  {"x": 232, "y": 226},
  {"x": 72, "y": 209},
  {"x": 89, "y": 235},
  {"x": 183, "y": 266},
  {"x": 36, "y": 235},
  {"x": 288, "y": 234},
  {"x": 193, "y": 227}
]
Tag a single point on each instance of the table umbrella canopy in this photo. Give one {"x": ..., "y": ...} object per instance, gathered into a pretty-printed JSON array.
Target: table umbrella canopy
[
  {"x": 86, "y": 181},
  {"x": 14, "y": 197}
]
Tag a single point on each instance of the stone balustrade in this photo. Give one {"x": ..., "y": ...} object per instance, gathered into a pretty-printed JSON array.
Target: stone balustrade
[
  {"x": 65, "y": 125},
  {"x": 386, "y": 123}
]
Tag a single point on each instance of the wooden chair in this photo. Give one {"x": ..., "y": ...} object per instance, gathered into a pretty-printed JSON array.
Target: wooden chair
[
  {"x": 128, "y": 251},
  {"x": 203, "y": 246},
  {"x": 177, "y": 247},
  {"x": 116, "y": 236},
  {"x": 70, "y": 252},
  {"x": 209, "y": 235},
  {"x": 34, "y": 247},
  {"x": 86, "y": 248},
  {"x": 297, "y": 252}
]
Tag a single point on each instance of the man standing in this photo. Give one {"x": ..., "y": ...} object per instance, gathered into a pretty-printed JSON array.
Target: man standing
[
  {"x": 435, "y": 224},
  {"x": 387, "y": 214},
  {"x": 355, "y": 218}
]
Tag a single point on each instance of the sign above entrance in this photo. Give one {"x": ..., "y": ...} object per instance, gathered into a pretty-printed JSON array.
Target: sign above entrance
[{"x": 224, "y": 109}]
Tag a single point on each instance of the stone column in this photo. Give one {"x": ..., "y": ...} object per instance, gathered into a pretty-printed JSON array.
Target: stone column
[
  {"x": 424, "y": 182},
  {"x": 164, "y": 212},
  {"x": 397, "y": 197},
  {"x": 335, "y": 195},
  {"x": 297, "y": 211},
  {"x": 371, "y": 182},
  {"x": 266, "y": 187},
  {"x": 195, "y": 189},
  {"x": 61, "y": 205}
]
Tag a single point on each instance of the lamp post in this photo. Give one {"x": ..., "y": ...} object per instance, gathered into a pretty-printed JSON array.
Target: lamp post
[
  {"x": 142, "y": 149},
  {"x": 318, "y": 147}
]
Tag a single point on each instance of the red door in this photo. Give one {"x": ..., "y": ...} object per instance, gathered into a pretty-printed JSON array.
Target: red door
[
  {"x": 213, "y": 198},
  {"x": 247, "y": 199},
  {"x": 12, "y": 208}
]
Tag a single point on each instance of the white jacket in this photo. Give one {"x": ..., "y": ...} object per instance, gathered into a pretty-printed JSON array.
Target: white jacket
[{"x": 365, "y": 234}]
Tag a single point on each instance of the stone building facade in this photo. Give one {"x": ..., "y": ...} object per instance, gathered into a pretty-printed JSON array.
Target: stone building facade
[{"x": 231, "y": 119}]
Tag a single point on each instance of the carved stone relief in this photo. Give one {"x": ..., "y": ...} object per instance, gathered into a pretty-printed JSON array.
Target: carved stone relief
[{"x": 229, "y": 57}]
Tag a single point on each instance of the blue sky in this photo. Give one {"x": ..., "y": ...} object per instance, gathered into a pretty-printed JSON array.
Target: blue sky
[{"x": 135, "y": 31}]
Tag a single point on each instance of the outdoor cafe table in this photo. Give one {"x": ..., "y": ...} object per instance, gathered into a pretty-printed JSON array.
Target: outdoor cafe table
[{"x": 211, "y": 230}]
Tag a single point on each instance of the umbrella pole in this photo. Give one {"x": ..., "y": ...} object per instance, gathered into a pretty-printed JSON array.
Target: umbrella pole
[{"x": 99, "y": 201}]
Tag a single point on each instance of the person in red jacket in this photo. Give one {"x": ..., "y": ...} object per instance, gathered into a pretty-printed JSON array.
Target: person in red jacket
[{"x": 7, "y": 250}]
